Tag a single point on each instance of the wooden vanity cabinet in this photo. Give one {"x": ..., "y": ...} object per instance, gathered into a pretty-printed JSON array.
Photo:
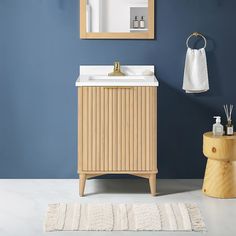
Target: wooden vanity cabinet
[{"x": 117, "y": 129}]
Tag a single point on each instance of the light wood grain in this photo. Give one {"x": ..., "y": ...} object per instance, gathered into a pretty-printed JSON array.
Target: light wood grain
[
  {"x": 143, "y": 130},
  {"x": 115, "y": 130},
  {"x": 94, "y": 128},
  {"x": 150, "y": 34},
  {"x": 90, "y": 124},
  {"x": 127, "y": 130},
  {"x": 98, "y": 125},
  {"x": 147, "y": 113},
  {"x": 152, "y": 183},
  {"x": 220, "y": 179},
  {"x": 82, "y": 180},
  {"x": 118, "y": 130},
  {"x": 83, "y": 33},
  {"x": 123, "y": 137},
  {"x": 220, "y": 174},
  {"x": 114, "y": 35},
  {"x": 106, "y": 108},
  {"x": 136, "y": 128},
  {"x": 120, "y": 172},
  {"x": 131, "y": 126},
  {"x": 139, "y": 156},
  {"x": 110, "y": 134},
  {"x": 154, "y": 115},
  {"x": 80, "y": 129},
  {"x": 102, "y": 136},
  {"x": 151, "y": 19},
  {"x": 84, "y": 158},
  {"x": 219, "y": 147}
]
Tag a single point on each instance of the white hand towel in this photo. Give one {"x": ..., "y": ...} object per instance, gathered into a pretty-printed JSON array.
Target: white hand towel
[{"x": 195, "y": 71}]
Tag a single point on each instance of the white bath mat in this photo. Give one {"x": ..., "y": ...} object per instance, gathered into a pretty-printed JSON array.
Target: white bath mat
[{"x": 112, "y": 217}]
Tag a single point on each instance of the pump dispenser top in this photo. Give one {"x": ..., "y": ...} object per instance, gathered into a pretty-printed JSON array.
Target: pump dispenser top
[{"x": 218, "y": 119}]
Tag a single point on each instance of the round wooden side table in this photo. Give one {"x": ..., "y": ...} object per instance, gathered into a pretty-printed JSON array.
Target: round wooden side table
[{"x": 220, "y": 174}]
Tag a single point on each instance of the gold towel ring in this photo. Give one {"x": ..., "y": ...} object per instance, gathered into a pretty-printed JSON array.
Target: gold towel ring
[{"x": 196, "y": 34}]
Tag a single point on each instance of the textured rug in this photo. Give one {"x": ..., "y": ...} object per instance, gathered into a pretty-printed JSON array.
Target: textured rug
[{"x": 135, "y": 217}]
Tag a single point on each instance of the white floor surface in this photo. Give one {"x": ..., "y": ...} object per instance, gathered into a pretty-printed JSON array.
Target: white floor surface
[{"x": 23, "y": 203}]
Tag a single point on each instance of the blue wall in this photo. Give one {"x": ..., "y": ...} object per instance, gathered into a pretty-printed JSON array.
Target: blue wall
[{"x": 40, "y": 54}]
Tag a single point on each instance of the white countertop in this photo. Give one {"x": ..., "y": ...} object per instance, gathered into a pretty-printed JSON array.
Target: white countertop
[{"x": 135, "y": 76}]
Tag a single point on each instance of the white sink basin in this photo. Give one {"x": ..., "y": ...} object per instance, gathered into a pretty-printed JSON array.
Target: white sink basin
[
  {"x": 99, "y": 79},
  {"x": 102, "y": 78}
]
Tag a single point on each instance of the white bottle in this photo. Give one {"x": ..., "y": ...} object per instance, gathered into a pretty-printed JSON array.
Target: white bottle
[
  {"x": 218, "y": 128},
  {"x": 142, "y": 23}
]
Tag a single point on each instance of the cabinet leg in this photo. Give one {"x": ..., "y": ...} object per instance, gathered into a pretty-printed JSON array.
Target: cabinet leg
[
  {"x": 82, "y": 180},
  {"x": 153, "y": 184}
]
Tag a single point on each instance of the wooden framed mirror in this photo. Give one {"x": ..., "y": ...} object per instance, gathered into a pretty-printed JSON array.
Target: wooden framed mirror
[{"x": 117, "y": 19}]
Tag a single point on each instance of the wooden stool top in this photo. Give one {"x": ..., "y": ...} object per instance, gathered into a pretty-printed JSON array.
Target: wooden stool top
[
  {"x": 210, "y": 135},
  {"x": 222, "y": 148}
]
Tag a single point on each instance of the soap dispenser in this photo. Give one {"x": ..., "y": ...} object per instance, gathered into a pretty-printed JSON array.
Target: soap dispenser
[{"x": 218, "y": 129}]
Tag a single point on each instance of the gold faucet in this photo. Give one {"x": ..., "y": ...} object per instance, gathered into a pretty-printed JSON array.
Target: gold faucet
[{"x": 116, "y": 70}]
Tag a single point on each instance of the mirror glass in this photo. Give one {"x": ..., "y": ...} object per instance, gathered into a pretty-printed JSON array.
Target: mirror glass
[{"x": 116, "y": 16}]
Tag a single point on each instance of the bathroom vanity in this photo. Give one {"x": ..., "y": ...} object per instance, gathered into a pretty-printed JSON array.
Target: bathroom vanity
[{"x": 117, "y": 123}]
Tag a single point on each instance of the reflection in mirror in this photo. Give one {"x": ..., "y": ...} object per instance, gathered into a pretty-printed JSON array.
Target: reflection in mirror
[{"x": 117, "y": 16}]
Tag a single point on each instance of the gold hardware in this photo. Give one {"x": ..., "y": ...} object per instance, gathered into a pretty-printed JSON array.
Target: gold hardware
[
  {"x": 196, "y": 34},
  {"x": 117, "y": 87},
  {"x": 116, "y": 70}
]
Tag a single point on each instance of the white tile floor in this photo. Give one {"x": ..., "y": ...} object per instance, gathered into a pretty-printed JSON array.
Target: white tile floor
[{"x": 23, "y": 203}]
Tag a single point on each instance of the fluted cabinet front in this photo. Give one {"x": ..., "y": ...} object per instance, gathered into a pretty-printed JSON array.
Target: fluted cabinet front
[{"x": 117, "y": 130}]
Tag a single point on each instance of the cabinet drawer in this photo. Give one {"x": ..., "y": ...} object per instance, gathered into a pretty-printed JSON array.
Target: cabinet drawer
[{"x": 117, "y": 129}]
